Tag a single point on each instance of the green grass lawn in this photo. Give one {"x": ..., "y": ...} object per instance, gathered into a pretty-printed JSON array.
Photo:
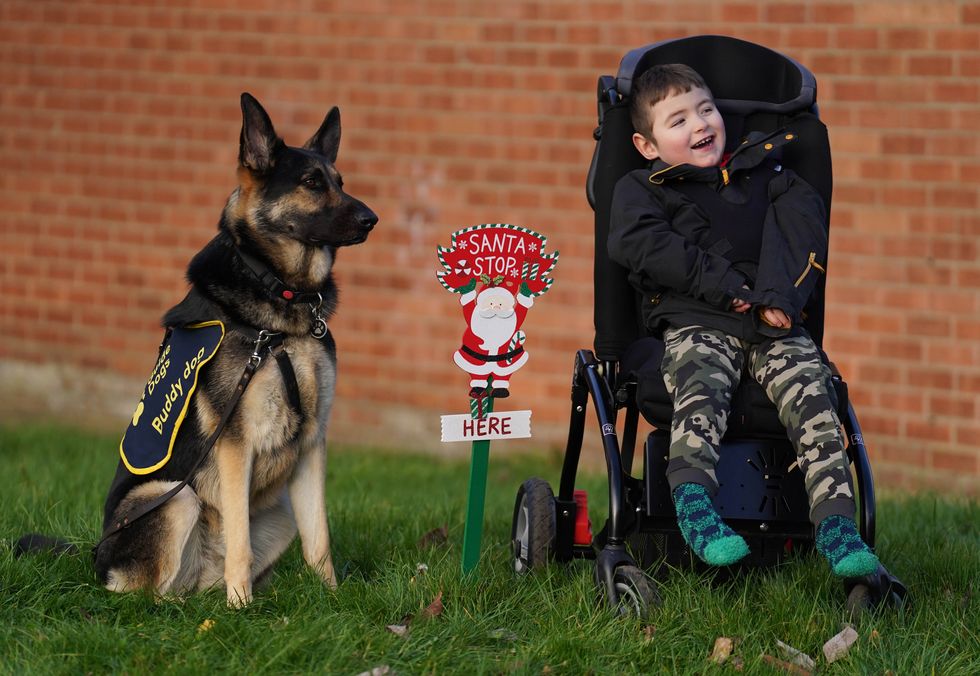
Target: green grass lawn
[{"x": 55, "y": 618}]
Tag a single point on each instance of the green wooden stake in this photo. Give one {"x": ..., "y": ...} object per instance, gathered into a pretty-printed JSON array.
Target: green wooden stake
[{"x": 473, "y": 531}]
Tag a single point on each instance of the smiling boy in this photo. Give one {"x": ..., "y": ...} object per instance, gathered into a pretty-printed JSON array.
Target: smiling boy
[{"x": 726, "y": 250}]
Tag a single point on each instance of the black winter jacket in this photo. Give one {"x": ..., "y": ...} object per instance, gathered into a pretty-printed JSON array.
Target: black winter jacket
[{"x": 693, "y": 237}]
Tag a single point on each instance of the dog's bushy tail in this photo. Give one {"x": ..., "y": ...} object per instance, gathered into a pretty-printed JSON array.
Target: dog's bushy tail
[{"x": 35, "y": 543}]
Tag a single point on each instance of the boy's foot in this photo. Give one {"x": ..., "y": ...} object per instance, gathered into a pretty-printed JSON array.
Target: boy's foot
[
  {"x": 839, "y": 541},
  {"x": 703, "y": 530}
]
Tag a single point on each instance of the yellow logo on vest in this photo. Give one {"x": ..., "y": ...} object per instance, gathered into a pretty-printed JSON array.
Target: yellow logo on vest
[{"x": 148, "y": 442}]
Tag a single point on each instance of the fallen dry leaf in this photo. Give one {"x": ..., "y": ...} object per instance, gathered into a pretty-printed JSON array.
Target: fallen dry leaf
[
  {"x": 401, "y": 629},
  {"x": 205, "y": 626},
  {"x": 722, "y": 650},
  {"x": 875, "y": 635},
  {"x": 398, "y": 629},
  {"x": 738, "y": 664},
  {"x": 383, "y": 670},
  {"x": 503, "y": 634},
  {"x": 786, "y": 666},
  {"x": 648, "y": 632},
  {"x": 435, "y": 608},
  {"x": 794, "y": 656},
  {"x": 837, "y": 647},
  {"x": 435, "y": 537}
]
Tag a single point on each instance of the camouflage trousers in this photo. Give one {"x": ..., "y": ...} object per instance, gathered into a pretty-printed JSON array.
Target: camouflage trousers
[{"x": 702, "y": 368}]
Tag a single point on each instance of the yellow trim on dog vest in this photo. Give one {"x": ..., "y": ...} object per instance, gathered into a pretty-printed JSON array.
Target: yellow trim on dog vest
[{"x": 149, "y": 440}]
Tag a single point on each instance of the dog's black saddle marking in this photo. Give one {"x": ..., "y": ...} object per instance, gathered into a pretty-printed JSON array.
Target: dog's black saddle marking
[{"x": 149, "y": 440}]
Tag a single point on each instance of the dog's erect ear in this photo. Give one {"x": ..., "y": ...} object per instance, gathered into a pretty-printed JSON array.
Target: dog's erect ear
[
  {"x": 326, "y": 141},
  {"x": 258, "y": 144}
]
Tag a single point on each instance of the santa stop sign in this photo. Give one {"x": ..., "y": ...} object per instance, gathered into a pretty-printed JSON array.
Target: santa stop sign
[{"x": 497, "y": 270}]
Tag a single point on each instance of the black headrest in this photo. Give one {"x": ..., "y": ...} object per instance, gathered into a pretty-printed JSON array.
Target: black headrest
[{"x": 743, "y": 77}]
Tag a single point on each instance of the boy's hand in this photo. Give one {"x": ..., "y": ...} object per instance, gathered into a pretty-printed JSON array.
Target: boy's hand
[
  {"x": 739, "y": 305},
  {"x": 773, "y": 316}
]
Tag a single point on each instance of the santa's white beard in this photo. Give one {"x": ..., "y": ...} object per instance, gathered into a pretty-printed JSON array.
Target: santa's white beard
[{"x": 493, "y": 331}]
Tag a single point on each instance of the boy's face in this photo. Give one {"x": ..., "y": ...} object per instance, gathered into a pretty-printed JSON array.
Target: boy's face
[{"x": 687, "y": 129}]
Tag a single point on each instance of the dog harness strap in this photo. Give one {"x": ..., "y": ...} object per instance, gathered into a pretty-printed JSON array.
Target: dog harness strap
[
  {"x": 265, "y": 343},
  {"x": 491, "y": 357},
  {"x": 288, "y": 378}
]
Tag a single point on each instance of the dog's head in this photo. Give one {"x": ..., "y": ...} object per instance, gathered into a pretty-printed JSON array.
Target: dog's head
[{"x": 295, "y": 193}]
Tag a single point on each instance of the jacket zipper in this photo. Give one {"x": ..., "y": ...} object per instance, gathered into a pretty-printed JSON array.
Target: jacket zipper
[{"x": 811, "y": 263}]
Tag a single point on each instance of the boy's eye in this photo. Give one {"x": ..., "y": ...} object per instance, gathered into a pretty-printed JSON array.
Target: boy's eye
[{"x": 678, "y": 122}]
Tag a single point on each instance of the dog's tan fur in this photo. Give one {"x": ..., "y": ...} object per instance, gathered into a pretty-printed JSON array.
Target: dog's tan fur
[{"x": 263, "y": 481}]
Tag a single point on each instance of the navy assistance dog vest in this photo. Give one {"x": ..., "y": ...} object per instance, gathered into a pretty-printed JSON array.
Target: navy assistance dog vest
[{"x": 149, "y": 440}]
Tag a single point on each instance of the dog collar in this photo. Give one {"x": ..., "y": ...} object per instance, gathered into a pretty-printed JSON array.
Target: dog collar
[
  {"x": 277, "y": 289},
  {"x": 264, "y": 274}
]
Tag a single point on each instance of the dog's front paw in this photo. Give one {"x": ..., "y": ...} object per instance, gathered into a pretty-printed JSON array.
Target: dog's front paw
[
  {"x": 239, "y": 596},
  {"x": 326, "y": 572}
]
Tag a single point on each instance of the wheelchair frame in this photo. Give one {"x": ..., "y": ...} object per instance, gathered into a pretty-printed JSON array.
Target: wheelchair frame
[{"x": 641, "y": 507}]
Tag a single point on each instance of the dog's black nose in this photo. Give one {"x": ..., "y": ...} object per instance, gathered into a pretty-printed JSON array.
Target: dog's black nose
[{"x": 366, "y": 218}]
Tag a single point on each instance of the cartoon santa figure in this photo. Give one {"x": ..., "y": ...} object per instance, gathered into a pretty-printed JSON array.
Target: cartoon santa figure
[{"x": 493, "y": 344}]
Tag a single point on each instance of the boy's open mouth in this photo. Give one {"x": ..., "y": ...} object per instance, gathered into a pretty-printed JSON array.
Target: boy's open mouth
[{"x": 703, "y": 143}]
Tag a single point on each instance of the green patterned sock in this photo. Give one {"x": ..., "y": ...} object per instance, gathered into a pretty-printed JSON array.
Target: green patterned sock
[
  {"x": 839, "y": 541},
  {"x": 703, "y": 530}
]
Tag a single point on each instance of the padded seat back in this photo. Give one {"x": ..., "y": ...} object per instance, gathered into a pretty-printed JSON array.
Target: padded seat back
[{"x": 757, "y": 89}]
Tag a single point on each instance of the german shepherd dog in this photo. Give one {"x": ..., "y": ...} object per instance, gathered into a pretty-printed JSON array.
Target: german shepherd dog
[{"x": 269, "y": 269}]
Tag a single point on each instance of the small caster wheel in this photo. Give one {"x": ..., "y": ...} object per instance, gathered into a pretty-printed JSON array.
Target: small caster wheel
[
  {"x": 533, "y": 529},
  {"x": 637, "y": 593},
  {"x": 859, "y": 602}
]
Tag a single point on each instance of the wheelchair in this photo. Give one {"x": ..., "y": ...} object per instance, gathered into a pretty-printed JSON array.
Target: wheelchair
[{"x": 761, "y": 493}]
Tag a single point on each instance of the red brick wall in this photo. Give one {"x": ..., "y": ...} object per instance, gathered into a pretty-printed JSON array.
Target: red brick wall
[{"x": 119, "y": 124}]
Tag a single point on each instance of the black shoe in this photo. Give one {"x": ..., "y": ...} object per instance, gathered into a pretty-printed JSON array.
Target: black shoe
[{"x": 499, "y": 393}]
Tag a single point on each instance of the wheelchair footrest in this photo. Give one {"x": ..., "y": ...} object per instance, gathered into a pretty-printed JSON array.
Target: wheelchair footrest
[
  {"x": 760, "y": 495},
  {"x": 758, "y": 480}
]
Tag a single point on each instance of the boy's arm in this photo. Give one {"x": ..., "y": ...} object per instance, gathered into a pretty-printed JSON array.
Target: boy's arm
[
  {"x": 794, "y": 245},
  {"x": 641, "y": 240}
]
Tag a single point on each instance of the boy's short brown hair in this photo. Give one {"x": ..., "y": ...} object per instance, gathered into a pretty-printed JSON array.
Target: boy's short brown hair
[{"x": 657, "y": 83}]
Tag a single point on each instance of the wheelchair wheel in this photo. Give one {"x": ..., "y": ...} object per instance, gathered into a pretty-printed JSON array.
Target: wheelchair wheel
[
  {"x": 533, "y": 529},
  {"x": 637, "y": 594},
  {"x": 864, "y": 599},
  {"x": 859, "y": 602}
]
